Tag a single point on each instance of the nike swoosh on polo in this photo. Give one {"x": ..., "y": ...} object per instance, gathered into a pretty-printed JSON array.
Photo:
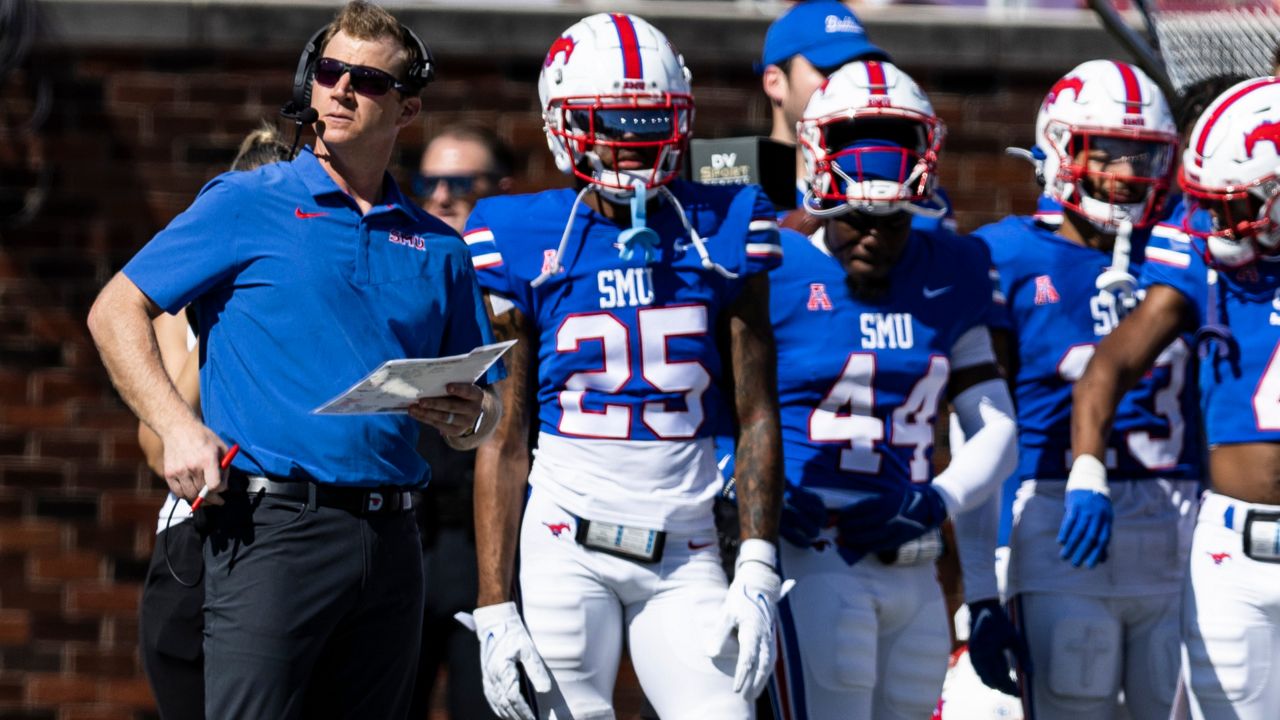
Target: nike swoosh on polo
[
  {"x": 301, "y": 215},
  {"x": 931, "y": 293},
  {"x": 700, "y": 546}
]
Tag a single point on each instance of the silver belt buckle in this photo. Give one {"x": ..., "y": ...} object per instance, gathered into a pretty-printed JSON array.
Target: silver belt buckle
[
  {"x": 632, "y": 543},
  {"x": 1262, "y": 535}
]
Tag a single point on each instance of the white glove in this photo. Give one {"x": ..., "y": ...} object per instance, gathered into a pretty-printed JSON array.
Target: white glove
[
  {"x": 750, "y": 605},
  {"x": 504, "y": 641}
]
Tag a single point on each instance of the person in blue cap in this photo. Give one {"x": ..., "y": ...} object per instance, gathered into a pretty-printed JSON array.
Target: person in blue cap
[{"x": 802, "y": 48}]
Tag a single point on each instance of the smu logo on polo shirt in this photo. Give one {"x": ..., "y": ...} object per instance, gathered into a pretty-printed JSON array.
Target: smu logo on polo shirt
[{"x": 414, "y": 241}]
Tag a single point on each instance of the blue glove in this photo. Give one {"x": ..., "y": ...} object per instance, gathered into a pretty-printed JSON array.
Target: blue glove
[
  {"x": 803, "y": 516},
  {"x": 1086, "y": 528},
  {"x": 993, "y": 643},
  {"x": 889, "y": 518}
]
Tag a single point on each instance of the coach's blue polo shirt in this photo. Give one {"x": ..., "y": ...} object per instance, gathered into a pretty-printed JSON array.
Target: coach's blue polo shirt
[{"x": 300, "y": 296}]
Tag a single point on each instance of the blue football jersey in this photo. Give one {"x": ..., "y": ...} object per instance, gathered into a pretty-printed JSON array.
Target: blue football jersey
[
  {"x": 1056, "y": 316},
  {"x": 860, "y": 381},
  {"x": 1239, "y": 311},
  {"x": 626, "y": 351}
]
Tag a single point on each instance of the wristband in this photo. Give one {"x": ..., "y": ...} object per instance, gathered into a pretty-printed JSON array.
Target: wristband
[{"x": 1088, "y": 473}]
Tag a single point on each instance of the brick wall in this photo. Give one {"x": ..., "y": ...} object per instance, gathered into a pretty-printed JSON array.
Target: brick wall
[{"x": 126, "y": 139}]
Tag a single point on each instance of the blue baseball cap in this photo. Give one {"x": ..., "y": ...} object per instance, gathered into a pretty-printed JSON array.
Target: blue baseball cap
[{"x": 825, "y": 32}]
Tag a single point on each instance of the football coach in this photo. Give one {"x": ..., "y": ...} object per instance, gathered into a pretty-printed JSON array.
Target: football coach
[{"x": 307, "y": 275}]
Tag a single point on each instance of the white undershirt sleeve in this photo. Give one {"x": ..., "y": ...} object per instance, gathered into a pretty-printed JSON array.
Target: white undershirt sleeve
[
  {"x": 973, "y": 348},
  {"x": 977, "y": 532},
  {"x": 984, "y": 451},
  {"x": 986, "y": 415}
]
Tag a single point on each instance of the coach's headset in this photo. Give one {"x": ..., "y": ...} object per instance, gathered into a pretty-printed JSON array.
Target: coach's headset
[{"x": 421, "y": 71}]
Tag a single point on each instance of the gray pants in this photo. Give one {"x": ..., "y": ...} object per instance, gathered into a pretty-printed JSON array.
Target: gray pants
[{"x": 311, "y": 613}]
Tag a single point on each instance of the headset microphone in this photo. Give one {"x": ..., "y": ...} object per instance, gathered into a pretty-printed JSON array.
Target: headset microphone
[{"x": 300, "y": 117}]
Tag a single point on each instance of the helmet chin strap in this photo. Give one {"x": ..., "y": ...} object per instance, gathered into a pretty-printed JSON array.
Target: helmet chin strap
[
  {"x": 617, "y": 196},
  {"x": 1116, "y": 280},
  {"x": 813, "y": 206}
]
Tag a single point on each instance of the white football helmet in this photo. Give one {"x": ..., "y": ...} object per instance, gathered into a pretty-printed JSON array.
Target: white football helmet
[
  {"x": 1229, "y": 168},
  {"x": 870, "y": 142},
  {"x": 1102, "y": 114},
  {"x": 612, "y": 86}
]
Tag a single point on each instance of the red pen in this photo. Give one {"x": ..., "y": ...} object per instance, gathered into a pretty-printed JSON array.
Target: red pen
[{"x": 226, "y": 463}]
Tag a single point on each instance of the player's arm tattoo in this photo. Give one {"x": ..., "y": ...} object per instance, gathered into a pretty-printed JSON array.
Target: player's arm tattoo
[
  {"x": 502, "y": 464},
  {"x": 758, "y": 464}
]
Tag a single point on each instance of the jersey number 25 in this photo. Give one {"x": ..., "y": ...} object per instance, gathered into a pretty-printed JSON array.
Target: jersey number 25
[{"x": 656, "y": 327}]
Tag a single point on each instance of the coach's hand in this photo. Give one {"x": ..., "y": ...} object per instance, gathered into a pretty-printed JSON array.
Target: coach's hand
[
  {"x": 750, "y": 605},
  {"x": 455, "y": 414},
  {"x": 191, "y": 454},
  {"x": 1086, "y": 520},
  {"x": 504, "y": 641},
  {"x": 993, "y": 643}
]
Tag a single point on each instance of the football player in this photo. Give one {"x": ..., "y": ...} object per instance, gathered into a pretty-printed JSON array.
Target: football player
[
  {"x": 1225, "y": 284},
  {"x": 1099, "y": 614},
  {"x": 875, "y": 323},
  {"x": 631, "y": 294},
  {"x": 801, "y": 49}
]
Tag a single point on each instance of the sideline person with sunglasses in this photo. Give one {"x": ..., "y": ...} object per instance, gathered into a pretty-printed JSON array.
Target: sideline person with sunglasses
[
  {"x": 171, "y": 623},
  {"x": 308, "y": 275},
  {"x": 459, "y": 166}
]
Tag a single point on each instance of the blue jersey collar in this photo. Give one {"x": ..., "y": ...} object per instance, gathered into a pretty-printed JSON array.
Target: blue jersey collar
[{"x": 318, "y": 182}]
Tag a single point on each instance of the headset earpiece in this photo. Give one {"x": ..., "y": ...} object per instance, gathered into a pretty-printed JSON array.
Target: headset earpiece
[
  {"x": 300, "y": 100},
  {"x": 423, "y": 70}
]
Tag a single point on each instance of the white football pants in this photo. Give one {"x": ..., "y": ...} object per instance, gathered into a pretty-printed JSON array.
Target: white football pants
[
  {"x": 861, "y": 642},
  {"x": 1095, "y": 632},
  {"x": 580, "y": 605},
  {"x": 1230, "y": 619}
]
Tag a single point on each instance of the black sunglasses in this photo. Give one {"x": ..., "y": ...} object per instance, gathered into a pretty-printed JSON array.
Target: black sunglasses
[
  {"x": 368, "y": 81},
  {"x": 424, "y": 185}
]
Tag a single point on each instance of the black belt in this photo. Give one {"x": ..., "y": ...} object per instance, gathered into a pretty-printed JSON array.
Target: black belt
[{"x": 356, "y": 500}]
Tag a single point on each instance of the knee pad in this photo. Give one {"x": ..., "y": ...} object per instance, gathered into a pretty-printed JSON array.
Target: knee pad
[
  {"x": 1228, "y": 662},
  {"x": 1160, "y": 661},
  {"x": 559, "y": 632},
  {"x": 1084, "y": 657},
  {"x": 917, "y": 665},
  {"x": 855, "y": 649},
  {"x": 837, "y": 641}
]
